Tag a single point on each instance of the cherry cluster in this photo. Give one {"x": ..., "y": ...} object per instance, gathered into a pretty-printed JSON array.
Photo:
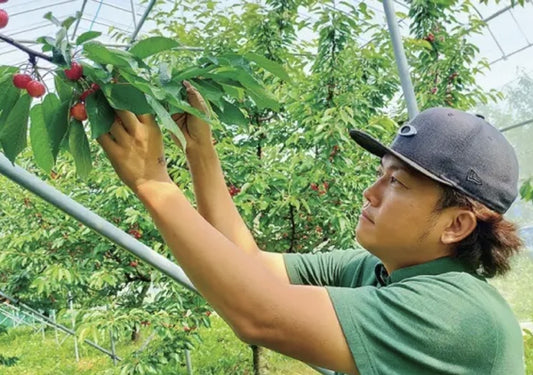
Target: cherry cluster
[
  {"x": 4, "y": 17},
  {"x": 233, "y": 190},
  {"x": 25, "y": 82}
]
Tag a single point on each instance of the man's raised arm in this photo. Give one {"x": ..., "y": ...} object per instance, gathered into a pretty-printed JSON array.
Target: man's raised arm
[{"x": 214, "y": 202}]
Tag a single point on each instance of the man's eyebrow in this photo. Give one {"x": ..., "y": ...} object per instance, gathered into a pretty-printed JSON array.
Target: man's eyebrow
[{"x": 395, "y": 166}]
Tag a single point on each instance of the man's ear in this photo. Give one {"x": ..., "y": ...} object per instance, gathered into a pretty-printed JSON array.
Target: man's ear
[{"x": 462, "y": 223}]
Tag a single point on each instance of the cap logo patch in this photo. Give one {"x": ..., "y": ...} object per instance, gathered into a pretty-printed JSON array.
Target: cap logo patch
[
  {"x": 407, "y": 130},
  {"x": 472, "y": 176}
]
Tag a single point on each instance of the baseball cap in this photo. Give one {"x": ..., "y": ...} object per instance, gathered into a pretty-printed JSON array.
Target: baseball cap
[{"x": 457, "y": 149}]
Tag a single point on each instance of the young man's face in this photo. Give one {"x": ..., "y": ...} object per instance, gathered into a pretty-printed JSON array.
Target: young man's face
[{"x": 399, "y": 223}]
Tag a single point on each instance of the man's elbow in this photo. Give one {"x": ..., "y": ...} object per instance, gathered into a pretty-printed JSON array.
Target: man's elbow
[
  {"x": 253, "y": 333},
  {"x": 247, "y": 331}
]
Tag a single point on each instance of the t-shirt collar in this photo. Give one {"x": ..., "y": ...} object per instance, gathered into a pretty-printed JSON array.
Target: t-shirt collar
[{"x": 434, "y": 267}]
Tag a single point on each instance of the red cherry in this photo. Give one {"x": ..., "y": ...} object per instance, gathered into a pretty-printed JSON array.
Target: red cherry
[
  {"x": 314, "y": 186},
  {"x": 75, "y": 72},
  {"x": 21, "y": 80},
  {"x": 36, "y": 89},
  {"x": 134, "y": 263},
  {"x": 85, "y": 94},
  {"x": 95, "y": 87},
  {"x": 78, "y": 112},
  {"x": 4, "y": 18}
]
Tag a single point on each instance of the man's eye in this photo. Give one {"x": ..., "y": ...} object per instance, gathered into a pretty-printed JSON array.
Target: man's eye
[{"x": 394, "y": 180}]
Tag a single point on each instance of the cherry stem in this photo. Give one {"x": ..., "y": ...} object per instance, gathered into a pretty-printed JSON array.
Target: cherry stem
[{"x": 33, "y": 54}]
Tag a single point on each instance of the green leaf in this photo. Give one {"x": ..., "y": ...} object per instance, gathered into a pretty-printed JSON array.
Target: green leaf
[
  {"x": 9, "y": 95},
  {"x": 269, "y": 65},
  {"x": 79, "y": 149},
  {"x": 125, "y": 96},
  {"x": 209, "y": 90},
  {"x": 164, "y": 73},
  {"x": 40, "y": 140},
  {"x": 13, "y": 133},
  {"x": 262, "y": 98},
  {"x": 150, "y": 46},
  {"x": 63, "y": 88},
  {"x": 189, "y": 73},
  {"x": 100, "y": 113},
  {"x": 98, "y": 53},
  {"x": 166, "y": 121},
  {"x": 68, "y": 22},
  {"x": 144, "y": 86},
  {"x": 55, "y": 114},
  {"x": 183, "y": 106},
  {"x": 231, "y": 114},
  {"x": 52, "y": 19},
  {"x": 95, "y": 74},
  {"x": 86, "y": 36}
]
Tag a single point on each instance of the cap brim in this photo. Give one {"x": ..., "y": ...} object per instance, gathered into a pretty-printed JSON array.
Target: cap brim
[{"x": 377, "y": 148}]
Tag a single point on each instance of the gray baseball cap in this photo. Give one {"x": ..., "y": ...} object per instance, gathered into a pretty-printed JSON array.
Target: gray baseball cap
[{"x": 457, "y": 149}]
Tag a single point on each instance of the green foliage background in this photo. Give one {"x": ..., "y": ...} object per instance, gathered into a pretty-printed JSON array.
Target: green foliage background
[{"x": 275, "y": 143}]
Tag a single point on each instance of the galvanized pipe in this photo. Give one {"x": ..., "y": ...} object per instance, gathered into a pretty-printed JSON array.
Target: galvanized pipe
[
  {"x": 45, "y": 320},
  {"x": 401, "y": 60},
  {"x": 141, "y": 21}
]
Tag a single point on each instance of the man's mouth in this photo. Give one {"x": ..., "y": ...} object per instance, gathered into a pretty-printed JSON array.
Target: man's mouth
[{"x": 365, "y": 216}]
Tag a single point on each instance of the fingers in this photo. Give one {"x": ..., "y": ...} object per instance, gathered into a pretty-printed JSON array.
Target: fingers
[
  {"x": 129, "y": 120},
  {"x": 107, "y": 143},
  {"x": 194, "y": 97},
  {"x": 176, "y": 140},
  {"x": 178, "y": 116},
  {"x": 147, "y": 119},
  {"x": 119, "y": 132}
]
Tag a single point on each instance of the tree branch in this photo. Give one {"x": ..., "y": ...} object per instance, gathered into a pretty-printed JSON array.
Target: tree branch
[{"x": 33, "y": 54}]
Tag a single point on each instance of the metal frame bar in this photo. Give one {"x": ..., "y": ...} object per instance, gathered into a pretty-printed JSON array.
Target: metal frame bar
[
  {"x": 45, "y": 320},
  {"x": 401, "y": 60},
  {"x": 82, "y": 10},
  {"x": 142, "y": 20},
  {"x": 523, "y": 123}
]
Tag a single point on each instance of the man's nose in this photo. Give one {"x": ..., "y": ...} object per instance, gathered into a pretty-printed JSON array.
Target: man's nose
[{"x": 371, "y": 193}]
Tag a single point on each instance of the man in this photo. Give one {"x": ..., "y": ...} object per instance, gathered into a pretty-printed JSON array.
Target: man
[{"x": 416, "y": 303}]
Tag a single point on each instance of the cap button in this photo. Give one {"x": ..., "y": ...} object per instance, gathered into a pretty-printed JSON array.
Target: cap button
[{"x": 407, "y": 131}]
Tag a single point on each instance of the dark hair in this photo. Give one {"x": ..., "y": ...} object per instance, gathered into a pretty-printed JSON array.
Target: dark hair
[{"x": 491, "y": 244}]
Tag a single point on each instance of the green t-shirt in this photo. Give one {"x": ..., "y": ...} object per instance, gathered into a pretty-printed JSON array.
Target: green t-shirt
[{"x": 432, "y": 318}]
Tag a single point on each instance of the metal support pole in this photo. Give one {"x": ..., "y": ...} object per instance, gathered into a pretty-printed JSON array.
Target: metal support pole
[
  {"x": 55, "y": 322},
  {"x": 40, "y": 317},
  {"x": 93, "y": 221},
  {"x": 111, "y": 338},
  {"x": 401, "y": 60},
  {"x": 188, "y": 362},
  {"x": 141, "y": 21},
  {"x": 73, "y": 319},
  {"x": 43, "y": 326},
  {"x": 79, "y": 18},
  {"x": 112, "y": 341}
]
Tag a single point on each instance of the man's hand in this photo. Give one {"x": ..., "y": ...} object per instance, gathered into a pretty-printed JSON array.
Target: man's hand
[
  {"x": 134, "y": 146},
  {"x": 197, "y": 132}
]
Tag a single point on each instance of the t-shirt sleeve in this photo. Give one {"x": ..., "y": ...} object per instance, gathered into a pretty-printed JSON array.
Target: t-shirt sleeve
[
  {"x": 401, "y": 329},
  {"x": 330, "y": 268}
]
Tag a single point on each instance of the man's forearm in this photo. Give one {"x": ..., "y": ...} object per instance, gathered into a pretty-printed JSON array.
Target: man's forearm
[{"x": 214, "y": 201}]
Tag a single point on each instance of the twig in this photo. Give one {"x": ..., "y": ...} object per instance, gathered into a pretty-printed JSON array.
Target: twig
[{"x": 33, "y": 54}]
